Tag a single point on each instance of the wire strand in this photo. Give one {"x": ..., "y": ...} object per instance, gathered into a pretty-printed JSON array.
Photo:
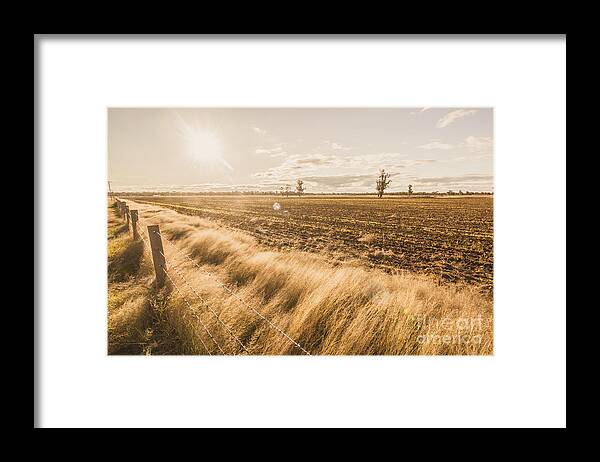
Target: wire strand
[
  {"x": 194, "y": 314},
  {"x": 205, "y": 303},
  {"x": 233, "y": 294}
]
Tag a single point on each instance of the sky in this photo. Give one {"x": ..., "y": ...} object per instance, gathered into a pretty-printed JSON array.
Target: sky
[{"x": 339, "y": 150}]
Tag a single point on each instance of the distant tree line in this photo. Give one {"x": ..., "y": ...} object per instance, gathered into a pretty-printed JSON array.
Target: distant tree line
[{"x": 275, "y": 192}]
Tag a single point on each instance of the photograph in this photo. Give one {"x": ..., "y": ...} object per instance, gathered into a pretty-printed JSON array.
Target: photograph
[{"x": 300, "y": 231}]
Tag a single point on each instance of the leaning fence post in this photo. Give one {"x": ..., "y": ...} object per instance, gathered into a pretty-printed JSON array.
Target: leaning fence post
[
  {"x": 160, "y": 265},
  {"x": 127, "y": 214},
  {"x": 134, "y": 220}
]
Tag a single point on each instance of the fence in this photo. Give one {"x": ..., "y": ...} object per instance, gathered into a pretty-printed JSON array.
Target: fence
[{"x": 164, "y": 272}]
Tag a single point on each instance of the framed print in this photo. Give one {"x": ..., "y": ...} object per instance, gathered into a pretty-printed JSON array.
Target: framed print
[{"x": 299, "y": 232}]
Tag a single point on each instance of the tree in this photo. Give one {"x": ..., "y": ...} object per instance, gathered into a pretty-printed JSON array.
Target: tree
[
  {"x": 299, "y": 186},
  {"x": 288, "y": 188},
  {"x": 410, "y": 189},
  {"x": 383, "y": 181}
]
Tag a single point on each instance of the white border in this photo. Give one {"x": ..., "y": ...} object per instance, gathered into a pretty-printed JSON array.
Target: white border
[{"x": 522, "y": 385}]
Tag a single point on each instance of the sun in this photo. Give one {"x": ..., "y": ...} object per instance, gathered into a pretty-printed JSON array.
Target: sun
[{"x": 202, "y": 144}]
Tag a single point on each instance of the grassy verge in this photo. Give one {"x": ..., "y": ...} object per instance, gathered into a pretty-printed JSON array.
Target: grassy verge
[{"x": 137, "y": 319}]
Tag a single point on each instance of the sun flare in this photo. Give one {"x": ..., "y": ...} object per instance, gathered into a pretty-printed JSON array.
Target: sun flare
[{"x": 202, "y": 144}]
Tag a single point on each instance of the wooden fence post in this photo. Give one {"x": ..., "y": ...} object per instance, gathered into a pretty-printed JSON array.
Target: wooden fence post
[
  {"x": 134, "y": 220},
  {"x": 127, "y": 214},
  {"x": 157, "y": 254}
]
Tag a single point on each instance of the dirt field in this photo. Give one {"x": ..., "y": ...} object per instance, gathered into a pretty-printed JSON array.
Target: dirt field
[{"x": 447, "y": 237}]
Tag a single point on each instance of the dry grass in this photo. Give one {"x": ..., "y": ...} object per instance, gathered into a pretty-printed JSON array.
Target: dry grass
[
  {"x": 136, "y": 310},
  {"x": 330, "y": 310}
]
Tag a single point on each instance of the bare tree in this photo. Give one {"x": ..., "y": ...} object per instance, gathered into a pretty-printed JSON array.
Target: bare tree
[
  {"x": 383, "y": 181},
  {"x": 410, "y": 189},
  {"x": 299, "y": 186},
  {"x": 288, "y": 188}
]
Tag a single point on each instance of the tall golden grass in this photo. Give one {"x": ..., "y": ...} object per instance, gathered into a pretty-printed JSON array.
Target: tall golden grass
[{"x": 329, "y": 309}]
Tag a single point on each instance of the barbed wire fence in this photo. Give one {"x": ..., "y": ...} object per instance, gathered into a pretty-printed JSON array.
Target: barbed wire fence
[{"x": 153, "y": 244}]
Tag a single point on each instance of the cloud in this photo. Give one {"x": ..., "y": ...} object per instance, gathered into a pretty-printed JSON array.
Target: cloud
[
  {"x": 338, "y": 164},
  {"x": 435, "y": 145},
  {"x": 341, "y": 181},
  {"x": 423, "y": 109},
  {"x": 260, "y": 131},
  {"x": 316, "y": 161},
  {"x": 453, "y": 116},
  {"x": 478, "y": 143},
  {"x": 290, "y": 165},
  {"x": 475, "y": 147},
  {"x": 272, "y": 152},
  {"x": 348, "y": 183},
  {"x": 461, "y": 180},
  {"x": 199, "y": 187},
  {"x": 337, "y": 146}
]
